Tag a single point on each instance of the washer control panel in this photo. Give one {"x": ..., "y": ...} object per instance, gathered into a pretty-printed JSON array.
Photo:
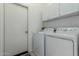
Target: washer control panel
[{"x": 68, "y": 30}]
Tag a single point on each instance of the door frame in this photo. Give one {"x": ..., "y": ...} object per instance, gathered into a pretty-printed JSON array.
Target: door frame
[{"x": 18, "y": 4}]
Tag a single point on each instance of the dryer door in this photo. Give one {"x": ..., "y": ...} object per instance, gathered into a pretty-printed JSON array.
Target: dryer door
[{"x": 59, "y": 46}]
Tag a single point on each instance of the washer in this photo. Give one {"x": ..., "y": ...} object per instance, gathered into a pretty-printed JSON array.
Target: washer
[{"x": 62, "y": 43}]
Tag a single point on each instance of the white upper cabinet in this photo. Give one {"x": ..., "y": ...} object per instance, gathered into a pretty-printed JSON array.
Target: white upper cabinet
[
  {"x": 67, "y": 8},
  {"x": 50, "y": 11},
  {"x": 54, "y": 10}
]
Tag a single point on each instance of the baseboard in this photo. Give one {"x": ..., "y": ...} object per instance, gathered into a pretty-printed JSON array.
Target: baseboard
[
  {"x": 32, "y": 54},
  {"x": 19, "y": 54}
]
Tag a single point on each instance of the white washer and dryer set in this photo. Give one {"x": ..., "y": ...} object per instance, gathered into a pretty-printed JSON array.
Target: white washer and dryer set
[{"x": 61, "y": 42}]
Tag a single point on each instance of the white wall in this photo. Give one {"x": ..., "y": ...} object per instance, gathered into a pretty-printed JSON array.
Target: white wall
[
  {"x": 35, "y": 22},
  {"x": 66, "y": 22}
]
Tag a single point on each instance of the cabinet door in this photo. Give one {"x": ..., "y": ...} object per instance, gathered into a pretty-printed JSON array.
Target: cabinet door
[
  {"x": 67, "y": 8},
  {"x": 50, "y": 11}
]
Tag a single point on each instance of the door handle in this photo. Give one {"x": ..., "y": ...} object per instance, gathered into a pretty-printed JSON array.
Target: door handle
[{"x": 26, "y": 32}]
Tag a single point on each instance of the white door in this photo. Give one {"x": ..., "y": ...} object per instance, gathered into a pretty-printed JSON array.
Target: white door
[
  {"x": 59, "y": 47},
  {"x": 1, "y": 29},
  {"x": 15, "y": 27}
]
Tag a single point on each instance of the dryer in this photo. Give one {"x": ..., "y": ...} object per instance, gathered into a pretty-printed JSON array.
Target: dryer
[{"x": 38, "y": 44}]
